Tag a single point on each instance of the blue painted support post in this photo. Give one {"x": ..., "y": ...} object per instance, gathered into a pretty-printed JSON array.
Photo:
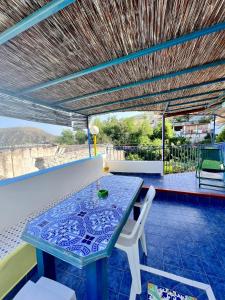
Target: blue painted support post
[
  {"x": 45, "y": 264},
  {"x": 89, "y": 138},
  {"x": 41, "y": 14},
  {"x": 163, "y": 140},
  {"x": 214, "y": 129},
  {"x": 97, "y": 283}
]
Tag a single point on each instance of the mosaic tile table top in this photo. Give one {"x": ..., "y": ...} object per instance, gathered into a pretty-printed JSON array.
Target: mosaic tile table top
[
  {"x": 156, "y": 293},
  {"x": 84, "y": 228}
]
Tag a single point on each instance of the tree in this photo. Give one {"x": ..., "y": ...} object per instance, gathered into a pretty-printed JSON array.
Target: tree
[
  {"x": 157, "y": 133},
  {"x": 80, "y": 137},
  {"x": 179, "y": 140},
  {"x": 144, "y": 140},
  {"x": 102, "y": 137},
  {"x": 156, "y": 143},
  {"x": 221, "y": 136},
  {"x": 131, "y": 131},
  {"x": 66, "y": 137},
  {"x": 146, "y": 128},
  {"x": 116, "y": 130}
]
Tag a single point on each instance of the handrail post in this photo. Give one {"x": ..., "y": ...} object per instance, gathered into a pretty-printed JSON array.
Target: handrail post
[
  {"x": 214, "y": 129},
  {"x": 89, "y": 138}
]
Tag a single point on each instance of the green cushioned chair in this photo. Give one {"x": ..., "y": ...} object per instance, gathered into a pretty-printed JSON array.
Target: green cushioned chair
[
  {"x": 210, "y": 160},
  {"x": 14, "y": 266}
]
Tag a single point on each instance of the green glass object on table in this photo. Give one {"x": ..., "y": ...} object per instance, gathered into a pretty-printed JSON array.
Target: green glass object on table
[{"x": 103, "y": 194}]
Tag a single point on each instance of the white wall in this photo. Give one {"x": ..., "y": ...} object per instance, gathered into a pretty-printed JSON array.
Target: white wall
[
  {"x": 135, "y": 166},
  {"x": 19, "y": 198}
]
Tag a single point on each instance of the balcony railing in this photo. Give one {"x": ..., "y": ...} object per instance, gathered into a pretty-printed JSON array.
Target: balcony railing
[
  {"x": 179, "y": 159},
  {"x": 176, "y": 158}
]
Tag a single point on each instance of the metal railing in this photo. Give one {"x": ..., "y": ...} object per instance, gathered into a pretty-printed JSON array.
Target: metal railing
[
  {"x": 133, "y": 153},
  {"x": 176, "y": 158},
  {"x": 179, "y": 159}
]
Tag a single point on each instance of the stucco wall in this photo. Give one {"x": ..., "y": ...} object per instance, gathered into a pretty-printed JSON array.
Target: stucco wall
[
  {"x": 26, "y": 195},
  {"x": 132, "y": 166},
  {"x": 20, "y": 161}
]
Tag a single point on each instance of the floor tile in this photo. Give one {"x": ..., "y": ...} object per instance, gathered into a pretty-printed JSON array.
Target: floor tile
[
  {"x": 113, "y": 295},
  {"x": 196, "y": 276},
  {"x": 123, "y": 297},
  {"x": 173, "y": 269},
  {"x": 126, "y": 284},
  {"x": 187, "y": 290},
  {"x": 218, "y": 287},
  {"x": 172, "y": 260},
  {"x": 119, "y": 260},
  {"x": 69, "y": 280},
  {"x": 213, "y": 267},
  {"x": 193, "y": 263},
  {"x": 185, "y": 239},
  {"x": 115, "y": 278}
]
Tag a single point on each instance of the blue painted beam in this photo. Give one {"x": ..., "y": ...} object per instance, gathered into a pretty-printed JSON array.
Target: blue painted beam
[
  {"x": 204, "y": 105},
  {"x": 186, "y": 111},
  {"x": 144, "y": 105},
  {"x": 126, "y": 58},
  {"x": 192, "y": 102},
  {"x": 221, "y": 98},
  {"x": 154, "y": 103},
  {"x": 145, "y": 81},
  {"x": 147, "y": 96},
  {"x": 41, "y": 14}
]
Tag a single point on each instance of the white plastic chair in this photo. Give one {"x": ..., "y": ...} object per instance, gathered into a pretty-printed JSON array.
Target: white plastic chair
[
  {"x": 128, "y": 239},
  {"x": 45, "y": 289}
]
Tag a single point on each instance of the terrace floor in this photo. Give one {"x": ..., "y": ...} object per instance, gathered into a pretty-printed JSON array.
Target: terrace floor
[
  {"x": 183, "y": 238},
  {"x": 181, "y": 182}
]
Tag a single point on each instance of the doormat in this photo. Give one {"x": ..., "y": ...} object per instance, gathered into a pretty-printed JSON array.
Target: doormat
[{"x": 157, "y": 293}]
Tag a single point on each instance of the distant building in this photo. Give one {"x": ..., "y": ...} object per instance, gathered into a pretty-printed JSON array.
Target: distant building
[{"x": 194, "y": 130}]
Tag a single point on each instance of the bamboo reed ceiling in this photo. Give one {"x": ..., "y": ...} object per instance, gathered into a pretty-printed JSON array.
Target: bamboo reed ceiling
[
  {"x": 89, "y": 32},
  {"x": 13, "y": 107}
]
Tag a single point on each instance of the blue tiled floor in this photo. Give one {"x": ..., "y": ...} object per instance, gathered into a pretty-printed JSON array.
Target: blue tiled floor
[
  {"x": 186, "y": 182},
  {"x": 183, "y": 239}
]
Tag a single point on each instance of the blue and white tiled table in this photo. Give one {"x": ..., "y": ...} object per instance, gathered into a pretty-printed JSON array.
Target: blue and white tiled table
[{"x": 83, "y": 229}]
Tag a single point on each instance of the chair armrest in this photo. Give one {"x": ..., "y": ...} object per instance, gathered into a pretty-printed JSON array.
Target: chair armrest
[{"x": 126, "y": 236}]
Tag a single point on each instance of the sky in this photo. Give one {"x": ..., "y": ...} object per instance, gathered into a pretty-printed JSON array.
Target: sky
[
  {"x": 53, "y": 129},
  {"x": 56, "y": 129}
]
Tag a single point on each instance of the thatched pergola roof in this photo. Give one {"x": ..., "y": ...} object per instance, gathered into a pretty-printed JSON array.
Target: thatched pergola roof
[{"x": 89, "y": 57}]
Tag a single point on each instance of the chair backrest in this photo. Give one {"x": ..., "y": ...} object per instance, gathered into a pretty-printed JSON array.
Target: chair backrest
[
  {"x": 139, "y": 226},
  {"x": 211, "y": 154}
]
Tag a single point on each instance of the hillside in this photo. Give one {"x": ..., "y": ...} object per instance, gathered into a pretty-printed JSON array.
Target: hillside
[
  {"x": 24, "y": 136},
  {"x": 152, "y": 117}
]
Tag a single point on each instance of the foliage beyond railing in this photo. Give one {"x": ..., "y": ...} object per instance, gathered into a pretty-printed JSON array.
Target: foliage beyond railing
[
  {"x": 176, "y": 158},
  {"x": 180, "y": 158}
]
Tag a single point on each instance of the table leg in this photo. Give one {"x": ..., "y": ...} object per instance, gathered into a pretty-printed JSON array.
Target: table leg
[
  {"x": 97, "y": 283},
  {"x": 46, "y": 264}
]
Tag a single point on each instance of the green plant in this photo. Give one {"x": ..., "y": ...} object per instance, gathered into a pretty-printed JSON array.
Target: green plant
[
  {"x": 132, "y": 156},
  {"x": 66, "y": 137},
  {"x": 80, "y": 137},
  {"x": 221, "y": 136}
]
